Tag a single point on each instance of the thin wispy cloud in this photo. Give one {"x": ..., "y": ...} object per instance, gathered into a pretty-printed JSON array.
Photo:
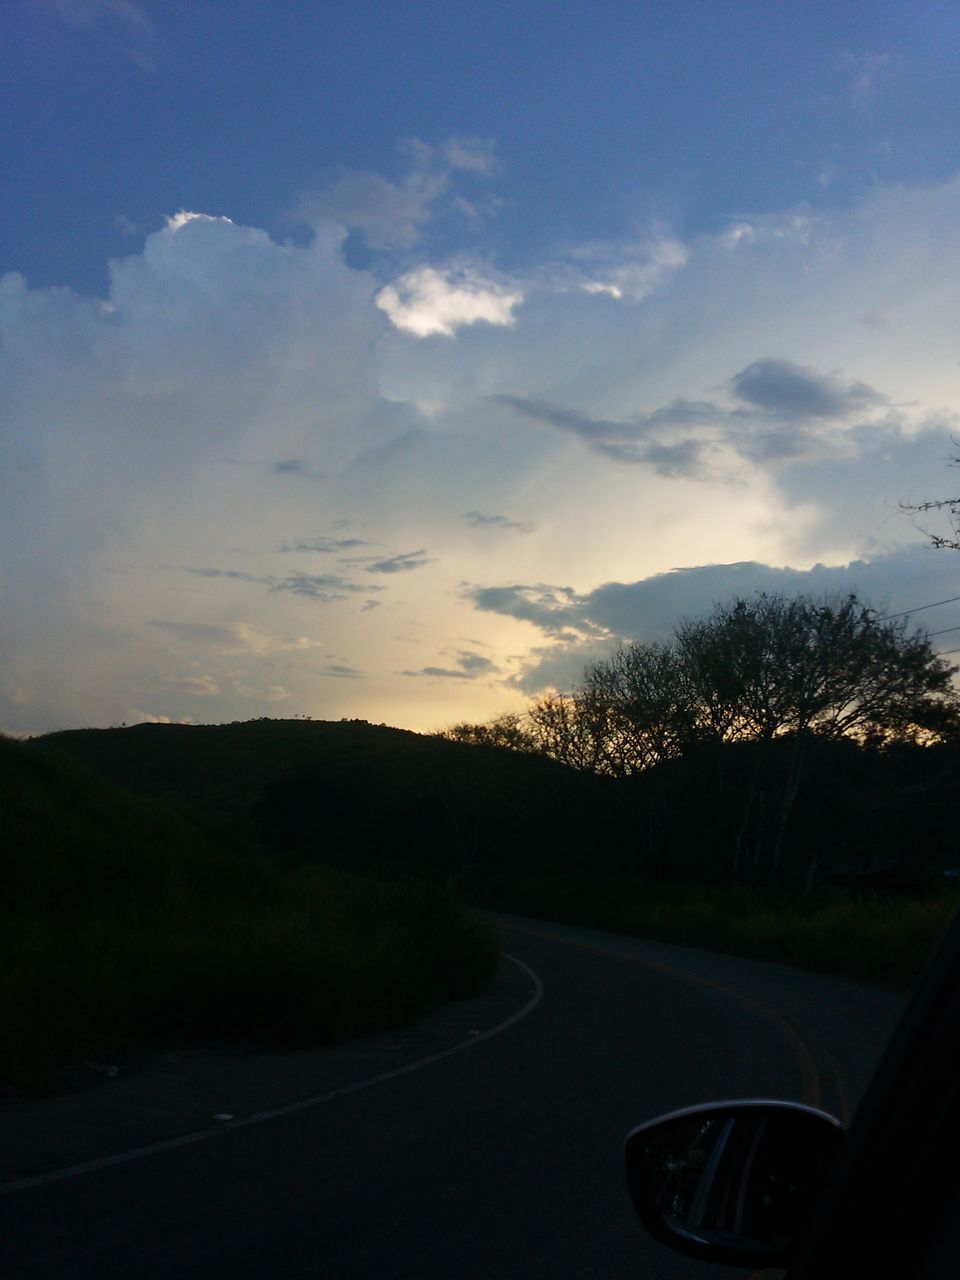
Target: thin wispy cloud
[
  {"x": 393, "y": 213},
  {"x": 234, "y": 637},
  {"x": 867, "y": 71},
  {"x": 477, "y": 520},
  {"x": 296, "y": 467},
  {"x": 235, "y": 575},
  {"x": 85, "y": 12},
  {"x": 323, "y": 588},
  {"x": 323, "y": 545},
  {"x": 199, "y": 685},
  {"x": 272, "y": 692},
  {"x": 338, "y": 671},
  {"x": 777, "y": 411},
  {"x": 469, "y": 666},
  {"x": 406, "y": 562}
]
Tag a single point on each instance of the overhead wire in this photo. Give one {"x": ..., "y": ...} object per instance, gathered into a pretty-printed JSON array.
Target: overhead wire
[
  {"x": 919, "y": 609},
  {"x": 941, "y": 653}
]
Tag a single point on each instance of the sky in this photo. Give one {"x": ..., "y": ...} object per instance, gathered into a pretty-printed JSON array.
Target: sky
[{"x": 394, "y": 361}]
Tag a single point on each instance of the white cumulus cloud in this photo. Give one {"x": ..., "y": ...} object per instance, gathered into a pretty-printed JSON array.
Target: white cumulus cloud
[
  {"x": 429, "y": 301},
  {"x": 259, "y": 412}
]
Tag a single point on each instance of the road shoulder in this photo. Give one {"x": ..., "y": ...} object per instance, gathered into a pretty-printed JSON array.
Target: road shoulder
[{"x": 140, "y": 1100}]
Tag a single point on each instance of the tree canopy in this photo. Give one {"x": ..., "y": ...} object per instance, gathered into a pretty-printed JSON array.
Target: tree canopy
[
  {"x": 947, "y": 508},
  {"x": 753, "y": 670},
  {"x": 732, "y": 730}
]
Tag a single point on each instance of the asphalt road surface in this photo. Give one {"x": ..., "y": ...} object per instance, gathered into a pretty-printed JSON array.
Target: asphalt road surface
[{"x": 486, "y": 1142}]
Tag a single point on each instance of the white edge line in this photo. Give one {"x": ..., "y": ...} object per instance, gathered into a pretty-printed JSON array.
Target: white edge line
[{"x": 187, "y": 1139}]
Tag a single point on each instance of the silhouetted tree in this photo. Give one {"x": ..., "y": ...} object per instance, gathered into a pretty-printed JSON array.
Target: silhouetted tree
[
  {"x": 506, "y": 730},
  {"x": 773, "y": 665},
  {"x": 774, "y": 668},
  {"x": 949, "y": 507},
  {"x": 571, "y": 729},
  {"x": 741, "y": 702},
  {"x": 640, "y": 705}
]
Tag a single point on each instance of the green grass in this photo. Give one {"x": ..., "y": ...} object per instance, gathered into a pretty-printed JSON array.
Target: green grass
[
  {"x": 122, "y": 923},
  {"x": 877, "y": 938}
]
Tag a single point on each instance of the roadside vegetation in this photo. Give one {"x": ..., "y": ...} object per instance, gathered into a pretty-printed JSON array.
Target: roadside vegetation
[
  {"x": 792, "y": 768},
  {"x": 780, "y": 779},
  {"x": 124, "y": 923},
  {"x": 761, "y": 744},
  {"x": 869, "y": 936}
]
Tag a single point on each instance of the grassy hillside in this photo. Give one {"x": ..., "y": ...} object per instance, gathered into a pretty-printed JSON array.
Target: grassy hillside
[
  {"x": 124, "y": 922},
  {"x": 681, "y": 852},
  {"x": 356, "y": 794},
  {"x": 222, "y": 769}
]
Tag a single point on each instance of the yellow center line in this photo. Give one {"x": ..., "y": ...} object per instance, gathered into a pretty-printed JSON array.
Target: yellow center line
[{"x": 808, "y": 1067}]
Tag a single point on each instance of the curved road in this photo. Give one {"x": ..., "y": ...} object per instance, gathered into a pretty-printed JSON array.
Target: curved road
[{"x": 485, "y": 1143}]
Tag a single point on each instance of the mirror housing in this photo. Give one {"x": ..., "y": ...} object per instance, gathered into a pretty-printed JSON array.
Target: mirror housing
[{"x": 733, "y": 1182}]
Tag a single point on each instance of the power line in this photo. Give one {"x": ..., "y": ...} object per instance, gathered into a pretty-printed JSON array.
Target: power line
[{"x": 919, "y": 609}]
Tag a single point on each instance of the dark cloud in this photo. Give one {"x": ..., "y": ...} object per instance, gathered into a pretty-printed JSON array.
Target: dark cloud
[
  {"x": 323, "y": 545},
  {"x": 633, "y": 442},
  {"x": 685, "y": 459},
  {"x": 325, "y": 588},
  {"x": 558, "y": 666},
  {"x": 477, "y": 520},
  {"x": 469, "y": 667},
  {"x": 579, "y": 424},
  {"x": 786, "y": 445},
  {"x": 237, "y": 575},
  {"x": 339, "y": 671},
  {"x": 475, "y": 663},
  {"x": 402, "y": 563},
  {"x": 789, "y": 390},
  {"x": 555, "y": 610},
  {"x": 680, "y": 413},
  {"x": 650, "y": 609},
  {"x": 677, "y": 439},
  {"x": 296, "y": 467}
]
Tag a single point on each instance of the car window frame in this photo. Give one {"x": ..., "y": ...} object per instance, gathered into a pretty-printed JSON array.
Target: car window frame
[{"x": 894, "y": 1174}]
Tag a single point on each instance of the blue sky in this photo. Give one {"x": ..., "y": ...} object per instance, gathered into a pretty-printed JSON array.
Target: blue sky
[{"x": 355, "y": 357}]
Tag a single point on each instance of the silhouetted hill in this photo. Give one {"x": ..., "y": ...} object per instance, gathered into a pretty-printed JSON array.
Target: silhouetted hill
[
  {"x": 356, "y": 794},
  {"x": 365, "y": 796},
  {"x": 125, "y": 922},
  {"x": 222, "y": 770},
  {"x": 71, "y": 838}
]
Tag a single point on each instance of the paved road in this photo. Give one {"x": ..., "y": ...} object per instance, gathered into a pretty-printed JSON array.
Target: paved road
[{"x": 499, "y": 1157}]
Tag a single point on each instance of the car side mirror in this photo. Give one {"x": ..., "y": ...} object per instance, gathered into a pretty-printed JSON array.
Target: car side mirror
[{"x": 733, "y": 1182}]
